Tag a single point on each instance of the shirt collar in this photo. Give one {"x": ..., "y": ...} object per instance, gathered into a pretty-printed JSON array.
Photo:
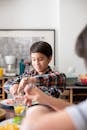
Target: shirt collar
[{"x": 48, "y": 70}]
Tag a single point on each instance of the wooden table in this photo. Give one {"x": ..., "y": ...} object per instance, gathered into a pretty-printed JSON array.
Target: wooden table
[
  {"x": 9, "y": 112},
  {"x": 73, "y": 87}
]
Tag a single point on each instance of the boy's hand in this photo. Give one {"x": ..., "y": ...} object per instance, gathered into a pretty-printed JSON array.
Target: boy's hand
[
  {"x": 22, "y": 84},
  {"x": 13, "y": 89}
]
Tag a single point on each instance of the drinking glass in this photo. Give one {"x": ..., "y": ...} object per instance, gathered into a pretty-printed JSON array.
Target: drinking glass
[{"x": 19, "y": 109}]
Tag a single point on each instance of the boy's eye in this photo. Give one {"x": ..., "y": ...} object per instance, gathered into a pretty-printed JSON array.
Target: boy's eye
[
  {"x": 33, "y": 59},
  {"x": 40, "y": 59}
]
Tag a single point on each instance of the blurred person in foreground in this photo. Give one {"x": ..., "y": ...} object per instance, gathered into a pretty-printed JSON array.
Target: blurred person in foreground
[{"x": 66, "y": 118}]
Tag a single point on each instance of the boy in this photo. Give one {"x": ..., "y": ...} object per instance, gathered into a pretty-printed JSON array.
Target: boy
[{"x": 42, "y": 75}]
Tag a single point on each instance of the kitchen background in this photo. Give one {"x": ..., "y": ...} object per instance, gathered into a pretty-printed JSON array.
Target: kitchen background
[
  {"x": 18, "y": 47},
  {"x": 15, "y": 45},
  {"x": 67, "y": 17}
]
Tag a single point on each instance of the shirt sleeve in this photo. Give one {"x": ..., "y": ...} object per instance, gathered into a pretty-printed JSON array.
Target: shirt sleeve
[
  {"x": 78, "y": 114},
  {"x": 48, "y": 80},
  {"x": 8, "y": 84},
  {"x": 49, "y": 83}
]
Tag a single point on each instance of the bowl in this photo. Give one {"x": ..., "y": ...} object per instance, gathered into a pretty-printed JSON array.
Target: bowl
[{"x": 83, "y": 81}]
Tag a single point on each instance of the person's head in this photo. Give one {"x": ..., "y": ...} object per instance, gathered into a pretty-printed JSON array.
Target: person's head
[
  {"x": 81, "y": 45},
  {"x": 41, "y": 55}
]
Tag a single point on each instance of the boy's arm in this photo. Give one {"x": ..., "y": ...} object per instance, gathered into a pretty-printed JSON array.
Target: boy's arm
[
  {"x": 48, "y": 83},
  {"x": 52, "y": 79},
  {"x": 12, "y": 84}
]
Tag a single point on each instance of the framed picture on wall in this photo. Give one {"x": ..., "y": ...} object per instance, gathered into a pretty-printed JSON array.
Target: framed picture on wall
[{"x": 18, "y": 41}]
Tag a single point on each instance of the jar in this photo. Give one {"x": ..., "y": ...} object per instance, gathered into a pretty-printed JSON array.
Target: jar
[{"x": 1, "y": 72}]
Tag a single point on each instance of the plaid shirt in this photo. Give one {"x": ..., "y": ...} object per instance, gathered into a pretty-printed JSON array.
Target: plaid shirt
[{"x": 48, "y": 82}]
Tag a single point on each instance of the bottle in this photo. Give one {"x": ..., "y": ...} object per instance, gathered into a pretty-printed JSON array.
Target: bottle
[
  {"x": 1, "y": 66},
  {"x": 21, "y": 67}
]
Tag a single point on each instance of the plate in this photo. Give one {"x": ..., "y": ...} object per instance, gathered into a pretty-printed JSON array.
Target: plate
[
  {"x": 5, "y": 102},
  {"x": 7, "y": 122}
]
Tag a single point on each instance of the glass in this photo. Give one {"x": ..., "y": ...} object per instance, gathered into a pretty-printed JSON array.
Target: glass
[{"x": 19, "y": 109}]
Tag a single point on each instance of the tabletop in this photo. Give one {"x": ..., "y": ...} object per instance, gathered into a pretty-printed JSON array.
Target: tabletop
[
  {"x": 75, "y": 87},
  {"x": 9, "y": 111}
]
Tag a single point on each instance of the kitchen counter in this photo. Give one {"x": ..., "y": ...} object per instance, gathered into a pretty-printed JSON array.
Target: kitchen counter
[{"x": 76, "y": 91}]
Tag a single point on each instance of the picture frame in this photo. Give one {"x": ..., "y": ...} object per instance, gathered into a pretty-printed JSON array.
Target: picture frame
[{"x": 18, "y": 41}]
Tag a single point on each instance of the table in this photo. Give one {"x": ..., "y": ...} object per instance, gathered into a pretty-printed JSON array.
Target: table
[
  {"x": 9, "y": 112},
  {"x": 73, "y": 87}
]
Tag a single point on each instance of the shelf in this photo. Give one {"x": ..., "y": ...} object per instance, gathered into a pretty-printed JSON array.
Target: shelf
[
  {"x": 80, "y": 94},
  {"x": 2, "y": 81}
]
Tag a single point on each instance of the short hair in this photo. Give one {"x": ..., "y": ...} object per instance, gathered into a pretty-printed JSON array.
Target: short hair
[
  {"x": 81, "y": 43},
  {"x": 41, "y": 47}
]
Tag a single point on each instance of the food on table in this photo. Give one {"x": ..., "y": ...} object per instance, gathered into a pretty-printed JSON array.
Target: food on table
[
  {"x": 17, "y": 120},
  {"x": 10, "y": 101},
  {"x": 9, "y": 126},
  {"x": 83, "y": 78}
]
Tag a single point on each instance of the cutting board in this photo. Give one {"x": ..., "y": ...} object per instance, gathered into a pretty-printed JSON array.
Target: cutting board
[{"x": 2, "y": 113}]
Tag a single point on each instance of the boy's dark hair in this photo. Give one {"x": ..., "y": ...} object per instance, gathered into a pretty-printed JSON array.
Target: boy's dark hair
[
  {"x": 41, "y": 47},
  {"x": 81, "y": 44}
]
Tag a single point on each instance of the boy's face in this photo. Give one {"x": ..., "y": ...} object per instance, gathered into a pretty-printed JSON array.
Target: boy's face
[{"x": 40, "y": 62}]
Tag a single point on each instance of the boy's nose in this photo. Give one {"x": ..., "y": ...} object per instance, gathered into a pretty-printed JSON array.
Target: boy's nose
[{"x": 37, "y": 61}]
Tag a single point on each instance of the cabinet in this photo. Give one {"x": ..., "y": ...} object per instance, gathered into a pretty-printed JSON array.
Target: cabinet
[
  {"x": 75, "y": 94},
  {"x": 2, "y": 80},
  {"x": 78, "y": 94}
]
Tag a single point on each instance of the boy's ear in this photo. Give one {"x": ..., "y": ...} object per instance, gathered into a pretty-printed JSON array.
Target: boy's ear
[{"x": 50, "y": 58}]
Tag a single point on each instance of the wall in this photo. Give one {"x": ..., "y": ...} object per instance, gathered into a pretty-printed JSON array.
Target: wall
[
  {"x": 46, "y": 14},
  {"x": 28, "y": 14},
  {"x": 73, "y": 17},
  {"x": 31, "y": 14}
]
